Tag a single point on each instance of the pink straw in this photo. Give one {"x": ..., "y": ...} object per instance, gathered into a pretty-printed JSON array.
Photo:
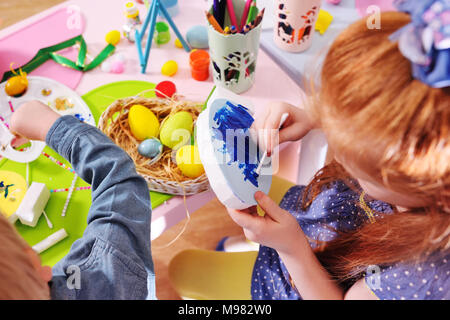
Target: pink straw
[{"x": 245, "y": 14}]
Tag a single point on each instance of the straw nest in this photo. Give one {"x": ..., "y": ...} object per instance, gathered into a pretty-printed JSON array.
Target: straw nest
[{"x": 163, "y": 175}]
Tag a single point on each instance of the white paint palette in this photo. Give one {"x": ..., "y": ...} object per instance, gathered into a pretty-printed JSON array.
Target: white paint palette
[
  {"x": 228, "y": 153},
  {"x": 59, "y": 97},
  {"x": 47, "y": 91}
]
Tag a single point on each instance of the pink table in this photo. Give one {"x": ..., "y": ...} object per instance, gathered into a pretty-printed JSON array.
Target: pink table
[{"x": 101, "y": 16}]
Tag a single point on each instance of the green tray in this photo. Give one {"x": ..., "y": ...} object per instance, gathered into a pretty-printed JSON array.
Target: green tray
[{"x": 45, "y": 171}]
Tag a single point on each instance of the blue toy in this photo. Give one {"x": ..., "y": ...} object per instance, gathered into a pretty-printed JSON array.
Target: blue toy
[{"x": 150, "y": 22}]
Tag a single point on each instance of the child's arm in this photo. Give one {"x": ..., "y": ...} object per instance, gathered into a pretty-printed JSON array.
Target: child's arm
[
  {"x": 279, "y": 230},
  {"x": 114, "y": 253}
]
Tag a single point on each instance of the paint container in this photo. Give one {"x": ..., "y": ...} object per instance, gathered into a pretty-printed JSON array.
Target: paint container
[
  {"x": 295, "y": 21},
  {"x": 199, "y": 61},
  {"x": 234, "y": 56}
]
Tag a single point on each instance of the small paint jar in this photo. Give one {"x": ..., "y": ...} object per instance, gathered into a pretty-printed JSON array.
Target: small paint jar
[
  {"x": 199, "y": 62},
  {"x": 234, "y": 56},
  {"x": 162, "y": 32}
]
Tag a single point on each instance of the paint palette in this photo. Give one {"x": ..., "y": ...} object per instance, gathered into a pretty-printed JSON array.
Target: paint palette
[
  {"x": 228, "y": 152},
  {"x": 59, "y": 97}
]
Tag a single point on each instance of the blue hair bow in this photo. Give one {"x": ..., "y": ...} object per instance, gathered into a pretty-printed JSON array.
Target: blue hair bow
[{"x": 426, "y": 40}]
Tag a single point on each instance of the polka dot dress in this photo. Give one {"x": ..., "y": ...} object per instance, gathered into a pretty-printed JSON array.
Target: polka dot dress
[{"x": 337, "y": 207}]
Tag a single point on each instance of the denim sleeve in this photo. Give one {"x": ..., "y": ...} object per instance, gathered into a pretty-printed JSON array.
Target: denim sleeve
[{"x": 113, "y": 257}]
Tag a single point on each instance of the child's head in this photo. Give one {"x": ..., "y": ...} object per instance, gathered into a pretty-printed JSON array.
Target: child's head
[
  {"x": 21, "y": 275},
  {"x": 386, "y": 128},
  {"x": 392, "y": 133}
]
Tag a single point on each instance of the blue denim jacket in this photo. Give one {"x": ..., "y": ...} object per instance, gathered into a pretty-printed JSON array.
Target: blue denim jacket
[{"x": 113, "y": 257}]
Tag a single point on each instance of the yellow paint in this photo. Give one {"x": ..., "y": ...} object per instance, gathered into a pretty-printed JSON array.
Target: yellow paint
[{"x": 16, "y": 192}]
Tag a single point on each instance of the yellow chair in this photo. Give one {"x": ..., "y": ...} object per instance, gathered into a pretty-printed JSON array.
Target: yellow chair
[{"x": 214, "y": 275}]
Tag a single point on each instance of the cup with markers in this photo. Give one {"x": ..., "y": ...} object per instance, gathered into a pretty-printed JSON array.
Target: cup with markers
[{"x": 234, "y": 29}]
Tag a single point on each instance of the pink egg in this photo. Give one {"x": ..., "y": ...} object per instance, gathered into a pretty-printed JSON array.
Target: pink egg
[{"x": 117, "y": 66}]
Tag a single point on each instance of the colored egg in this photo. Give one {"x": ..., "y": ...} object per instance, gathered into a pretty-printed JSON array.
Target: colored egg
[
  {"x": 178, "y": 43},
  {"x": 197, "y": 37},
  {"x": 150, "y": 148},
  {"x": 143, "y": 123},
  {"x": 117, "y": 66},
  {"x": 169, "y": 68},
  {"x": 176, "y": 129},
  {"x": 188, "y": 161},
  {"x": 113, "y": 37},
  {"x": 16, "y": 85},
  {"x": 165, "y": 89}
]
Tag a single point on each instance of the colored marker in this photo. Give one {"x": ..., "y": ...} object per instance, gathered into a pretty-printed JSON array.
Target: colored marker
[
  {"x": 232, "y": 13},
  {"x": 214, "y": 22},
  {"x": 252, "y": 12},
  {"x": 233, "y": 30},
  {"x": 258, "y": 18},
  {"x": 245, "y": 14},
  {"x": 227, "y": 30}
]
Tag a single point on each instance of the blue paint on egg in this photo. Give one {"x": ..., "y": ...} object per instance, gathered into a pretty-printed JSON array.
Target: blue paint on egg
[
  {"x": 236, "y": 120},
  {"x": 197, "y": 37},
  {"x": 150, "y": 148}
]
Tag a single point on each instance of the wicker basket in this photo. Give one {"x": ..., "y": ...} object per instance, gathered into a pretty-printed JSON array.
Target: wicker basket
[{"x": 114, "y": 123}]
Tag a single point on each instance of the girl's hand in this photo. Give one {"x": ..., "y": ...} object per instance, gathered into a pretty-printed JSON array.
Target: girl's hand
[
  {"x": 296, "y": 126},
  {"x": 33, "y": 120},
  {"x": 278, "y": 229}
]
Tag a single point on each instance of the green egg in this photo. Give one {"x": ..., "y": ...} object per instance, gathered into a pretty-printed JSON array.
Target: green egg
[{"x": 176, "y": 130}]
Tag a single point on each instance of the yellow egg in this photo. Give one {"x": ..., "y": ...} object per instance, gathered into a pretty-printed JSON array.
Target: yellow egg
[
  {"x": 188, "y": 161},
  {"x": 178, "y": 43},
  {"x": 113, "y": 37},
  {"x": 176, "y": 129},
  {"x": 143, "y": 123},
  {"x": 16, "y": 85},
  {"x": 169, "y": 68}
]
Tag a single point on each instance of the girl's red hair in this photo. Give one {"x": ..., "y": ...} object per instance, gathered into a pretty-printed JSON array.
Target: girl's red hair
[{"x": 396, "y": 130}]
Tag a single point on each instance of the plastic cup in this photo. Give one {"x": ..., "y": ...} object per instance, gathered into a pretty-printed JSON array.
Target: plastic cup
[
  {"x": 294, "y": 24},
  {"x": 199, "y": 62},
  {"x": 234, "y": 56}
]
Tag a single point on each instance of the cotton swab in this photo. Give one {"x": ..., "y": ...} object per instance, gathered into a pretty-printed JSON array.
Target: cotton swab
[
  {"x": 284, "y": 116},
  {"x": 51, "y": 240},
  {"x": 72, "y": 186},
  {"x": 49, "y": 223}
]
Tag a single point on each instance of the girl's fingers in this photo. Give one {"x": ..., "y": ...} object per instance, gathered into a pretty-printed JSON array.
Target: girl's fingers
[
  {"x": 269, "y": 206},
  {"x": 244, "y": 219}
]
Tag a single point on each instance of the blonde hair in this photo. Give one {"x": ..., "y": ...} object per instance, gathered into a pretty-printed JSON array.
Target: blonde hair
[
  {"x": 396, "y": 130},
  {"x": 19, "y": 279}
]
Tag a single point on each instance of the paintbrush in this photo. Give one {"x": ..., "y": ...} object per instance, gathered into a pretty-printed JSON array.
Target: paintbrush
[{"x": 284, "y": 116}]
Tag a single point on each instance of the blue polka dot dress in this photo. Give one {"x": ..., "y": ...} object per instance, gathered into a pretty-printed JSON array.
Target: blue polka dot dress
[{"x": 337, "y": 207}]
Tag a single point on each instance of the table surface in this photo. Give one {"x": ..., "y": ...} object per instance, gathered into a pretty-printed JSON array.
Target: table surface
[{"x": 102, "y": 16}]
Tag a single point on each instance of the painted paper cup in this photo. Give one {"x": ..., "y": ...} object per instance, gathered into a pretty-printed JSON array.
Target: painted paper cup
[
  {"x": 234, "y": 56},
  {"x": 199, "y": 62},
  {"x": 294, "y": 24}
]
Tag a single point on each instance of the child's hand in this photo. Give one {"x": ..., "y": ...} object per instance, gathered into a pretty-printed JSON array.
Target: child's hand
[
  {"x": 33, "y": 120},
  {"x": 278, "y": 229},
  {"x": 296, "y": 126}
]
